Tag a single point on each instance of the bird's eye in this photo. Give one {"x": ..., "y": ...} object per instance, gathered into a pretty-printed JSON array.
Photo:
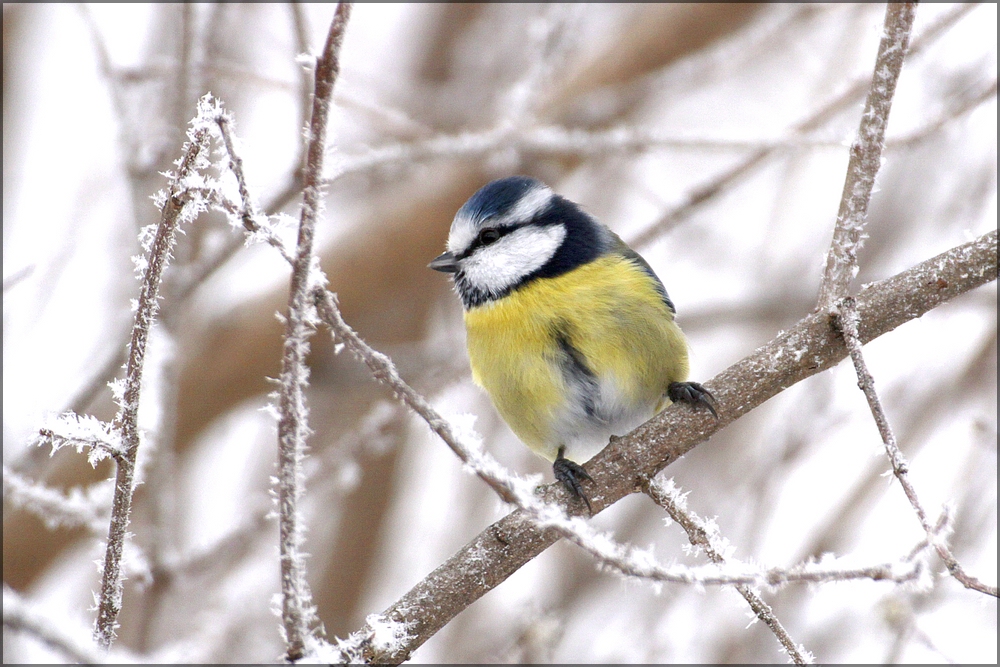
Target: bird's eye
[{"x": 488, "y": 236}]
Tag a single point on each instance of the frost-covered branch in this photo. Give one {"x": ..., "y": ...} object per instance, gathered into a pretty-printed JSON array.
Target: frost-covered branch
[
  {"x": 297, "y": 611},
  {"x": 847, "y": 320},
  {"x": 177, "y": 206},
  {"x": 20, "y": 616},
  {"x": 808, "y": 348},
  {"x": 705, "y": 536},
  {"x": 82, "y": 432},
  {"x": 634, "y": 562},
  {"x": 508, "y": 486},
  {"x": 866, "y": 156},
  {"x": 79, "y": 507}
]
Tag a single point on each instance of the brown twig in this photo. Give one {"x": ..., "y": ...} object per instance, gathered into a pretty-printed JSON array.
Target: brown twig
[
  {"x": 173, "y": 211},
  {"x": 699, "y": 536},
  {"x": 296, "y": 609},
  {"x": 866, "y": 156},
  {"x": 846, "y": 321},
  {"x": 806, "y": 349}
]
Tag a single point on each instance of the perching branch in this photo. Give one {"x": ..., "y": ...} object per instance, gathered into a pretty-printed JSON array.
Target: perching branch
[
  {"x": 177, "y": 207},
  {"x": 811, "y": 346},
  {"x": 847, "y": 321},
  {"x": 297, "y": 611},
  {"x": 866, "y": 156},
  {"x": 667, "y": 496}
]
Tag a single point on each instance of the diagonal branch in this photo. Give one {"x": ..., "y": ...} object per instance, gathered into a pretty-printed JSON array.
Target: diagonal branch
[
  {"x": 21, "y": 616},
  {"x": 866, "y": 156},
  {"x": 297, "y": 612},
  {"x": 667, "y": 496},
  {"x": 847, "y": 321}
]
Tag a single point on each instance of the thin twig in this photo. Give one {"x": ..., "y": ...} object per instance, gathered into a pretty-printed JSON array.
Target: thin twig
[
  {"x": 13, "y": 279},
  {"x": 384, "y": 370},
  {"x": 847, "y": 322},
  {"x": 668, "y": 497},
  {"x": 866, "y": 156},
  {"x": 173, "y": 212},
  {"x": 634, "y": 562},
  {"x": 297, "y": 612}
]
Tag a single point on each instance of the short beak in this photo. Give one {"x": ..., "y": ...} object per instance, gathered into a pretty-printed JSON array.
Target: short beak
[{"x": 445, "y": 262}]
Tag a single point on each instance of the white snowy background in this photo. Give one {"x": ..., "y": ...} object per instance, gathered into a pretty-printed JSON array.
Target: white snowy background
[{"x": 95, "y": 101}]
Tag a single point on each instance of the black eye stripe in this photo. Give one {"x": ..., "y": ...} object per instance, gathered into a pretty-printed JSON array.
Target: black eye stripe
[{"x": 487, "y": 237}]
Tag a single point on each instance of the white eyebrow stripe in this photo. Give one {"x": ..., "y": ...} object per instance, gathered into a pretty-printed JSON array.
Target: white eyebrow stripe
[{"x": 530, "y": 204}]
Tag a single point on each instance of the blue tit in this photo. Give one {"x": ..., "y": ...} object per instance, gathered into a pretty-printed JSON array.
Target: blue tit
[{"x": 569, "y": 330}]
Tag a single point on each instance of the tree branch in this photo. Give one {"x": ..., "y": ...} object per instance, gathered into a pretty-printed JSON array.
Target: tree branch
[
  {"x": 814, "y": 120},
  {"x": 19, "y": 616},
  {"x": 177, "y": 207},
  {"x": 666, "y": 495},
  {"x": 297, "y": 612},
  {"x": 866, "y": 156},
  {"x": 847, "y": 321}
]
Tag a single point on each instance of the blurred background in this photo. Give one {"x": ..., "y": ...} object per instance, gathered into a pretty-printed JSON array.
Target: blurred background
[{"x": 714, "y": 138}]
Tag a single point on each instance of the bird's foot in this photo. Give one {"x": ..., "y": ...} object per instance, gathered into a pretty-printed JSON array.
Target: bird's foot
[
  {"x": 571, "y": 474},
  {"x": 693, "y": 394}
]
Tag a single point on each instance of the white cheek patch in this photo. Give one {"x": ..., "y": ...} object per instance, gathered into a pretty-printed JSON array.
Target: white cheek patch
[{"x": 496, "y": 267}]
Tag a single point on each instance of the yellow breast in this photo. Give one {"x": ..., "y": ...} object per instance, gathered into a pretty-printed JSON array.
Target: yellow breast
[{"x": 608, "y": 311}]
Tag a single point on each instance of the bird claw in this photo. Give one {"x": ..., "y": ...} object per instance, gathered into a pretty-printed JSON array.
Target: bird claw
[
  {"x": 693, "y": 394},
  {"x": 571, "y": 474}
]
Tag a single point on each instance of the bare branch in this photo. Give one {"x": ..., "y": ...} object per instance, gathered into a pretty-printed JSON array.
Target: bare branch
[
  {"x": 811, "y": 346},
  {"x": 297, "y": 611},
  {"x": 177, "y": 207},
  {"x": 17, "y": 277},
  {"x": 667, "y": 496},
  {"x": 847, "y": 321},
  {"x": 866, "y": 156}
]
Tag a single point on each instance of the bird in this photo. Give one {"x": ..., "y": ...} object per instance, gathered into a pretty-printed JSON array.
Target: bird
[{"x": 568, "y": 330}]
